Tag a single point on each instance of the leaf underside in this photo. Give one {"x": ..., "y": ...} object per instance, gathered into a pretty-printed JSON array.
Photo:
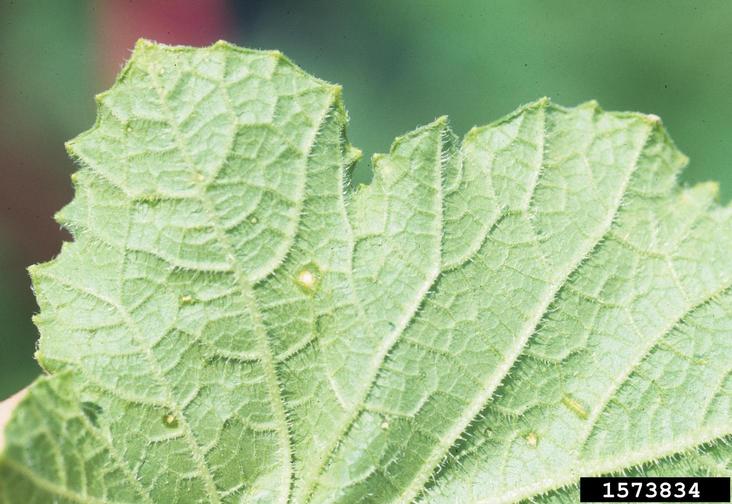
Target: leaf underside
[{"x": 486, "y": 321}]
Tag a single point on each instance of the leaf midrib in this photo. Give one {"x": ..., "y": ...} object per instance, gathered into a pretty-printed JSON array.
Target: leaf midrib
[
  {"x": 633, "y": 366},
  {"x": 154, "y": 366},
  {"x": 494, "y": 380},
  {"x": 51, "y": 487},
  {"x": 595, "y": 468},
  {"x": 311, "y": 484},
  {"x": 267, "y": 358}
]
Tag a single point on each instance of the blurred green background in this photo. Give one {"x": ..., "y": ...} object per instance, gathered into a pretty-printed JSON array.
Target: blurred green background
[{"x": 401, "y": 63}]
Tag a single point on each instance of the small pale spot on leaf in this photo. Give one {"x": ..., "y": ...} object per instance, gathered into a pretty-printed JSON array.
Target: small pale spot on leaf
[
  {"x": 308, "y": 278},
  {"x": 170, "y": 420}
]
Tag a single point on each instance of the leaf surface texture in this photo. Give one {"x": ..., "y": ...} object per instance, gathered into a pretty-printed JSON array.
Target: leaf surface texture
[{"x": 488, "y": 320}]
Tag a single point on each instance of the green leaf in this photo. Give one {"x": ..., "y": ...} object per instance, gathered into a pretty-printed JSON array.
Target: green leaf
[{"x": 485, "y": 322}]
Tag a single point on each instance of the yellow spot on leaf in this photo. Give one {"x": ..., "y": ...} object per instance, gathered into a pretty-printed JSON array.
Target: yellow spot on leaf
[
  {"x": 574, "y": 406},
  {"x": 169, "y": 420}
]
